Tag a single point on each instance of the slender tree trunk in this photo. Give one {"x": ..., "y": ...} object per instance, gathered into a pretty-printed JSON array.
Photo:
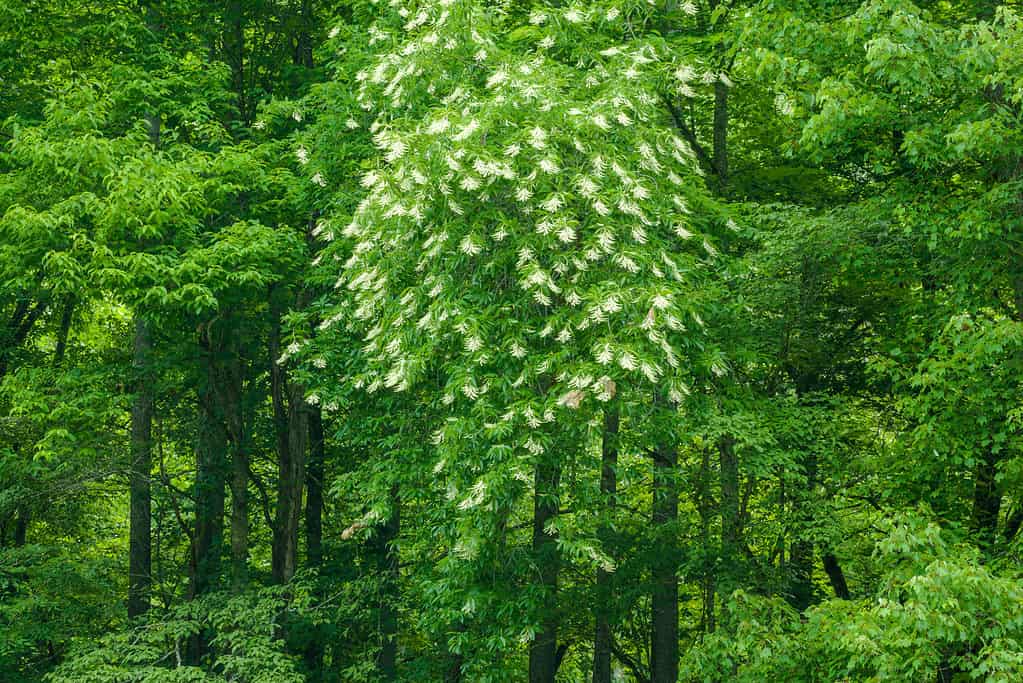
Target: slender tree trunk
[
  {"x": 836, "y": 576},
  {"x": 315, "y": 472},
  {"x": 731, "y": 531},
  {"x": 234, "y": 53},
  {"x": 234, "y": 410},
  {"x": 292, "y": 428},
  {"x": 21, "y": 527},
  {"x": 290, "y": 483},
  {"x": 801, "y": 555},
  {"x": 987, "y": 499},
  {"x": 704, "y": 507},
  {"x": 543, "y": 651},
  {"x": 278, "y": 382},
  {"x": 609, "y": 490},
  {"x": 140, "y": 550},
  {"x": 664, "y": 601},
  {"x": 304, "y": 41},
  {"x": 140, "y": 501},
  {"x": 210, "y": 481},
  {"x": 387, "y": 570},
  {"x": 1012, "y": 525}
]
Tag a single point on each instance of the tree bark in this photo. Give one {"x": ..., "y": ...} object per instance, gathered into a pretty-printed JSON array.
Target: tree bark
[
  {"x": 387, "y": 570},
  {"x": 291, "y": 421},
  {"x": 801, "y": 554},
  {"x": 210, "y": 483},
  {"x": 139, "y": 487},
  {"x": 543, "y": 651},
  {"x": 987, "y": 499},
  {"x": 21, "y": 528},
  {"x": 232, "y": 393},
  {"x": 731, "y": 557},
  {"x": 664, "y": 601},
  {"x": 234, "y": 53},
  {"x": 836, "y": 576},
  {"x": 210, "y": 480},
  {"x": 315, "y": 472},
  {"x": 704, "y": 506},
  {"x": 609, "y": 490},
  {"x": 304, "y": 40}
]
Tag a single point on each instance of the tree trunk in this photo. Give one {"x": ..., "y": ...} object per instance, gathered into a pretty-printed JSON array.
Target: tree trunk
[
  {"x": 543, "y": 651},
  {"x": 315, "y": 472},
  {"x": 140, "y": 549},
  {"x": 987, "y": 499},
  {"x": 290, "y": 483},
  {"x": 139, "y": 486},
  {"x": 731, "y": 557},
  {"x": 21, "y": 528},
  {"x": 801, "y": 555},
  {"x": 608, "y": 490},
  {"x": 664, "y": 600},
  {"x": 304, "y": 40},
  {"x": 232, "y": 393},
  {"x": 836, "y": 576},
  {"x": 387, "y": 570},
  {"x": 234, "y": 53},
  {"x": 704, "y": 507},
  {"x": 291, "y": 422},
  {"x": 210, "y": 480}
]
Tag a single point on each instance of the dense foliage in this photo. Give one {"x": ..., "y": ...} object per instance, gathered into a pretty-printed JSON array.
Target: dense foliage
[{"x": 452, "y": 340}]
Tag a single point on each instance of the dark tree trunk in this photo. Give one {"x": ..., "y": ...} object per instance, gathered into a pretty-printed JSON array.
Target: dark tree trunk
[
  {"x": 290, "y": 483},
  {"x": 140, "y": 543},
  {"x": 543, "y": 651},
  {"x": 315, "y": 472},
  {"x": 304, "y": 39},
  {"x": 234, "y": 54},
  {"x": 987, "y": 499},
  {"x": 609, "y": 490},
  {"x": 387, "y": 569},
  {"x": 140, "y": 501},
  {"x": 291, "y": 422},
  {"x": 731, "y": 529},
  {"x": 210, "y": 481},
  {"x": 704, "y": 507},
  {"x": 664, "y": 600},
  {"x": 801, "y": 555},
  {"x": 836, "y": 576},
  {"x": 22, "y": 322},
  {"x": 1012, "y": 525},
  {"x": 21, "y": 528},
  {"x": 232, "y": 394}
]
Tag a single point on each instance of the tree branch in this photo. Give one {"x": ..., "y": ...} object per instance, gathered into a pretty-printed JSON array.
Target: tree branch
[{"x": 689, "y": 135}]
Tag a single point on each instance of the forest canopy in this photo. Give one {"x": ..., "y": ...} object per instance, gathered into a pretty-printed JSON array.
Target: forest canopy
[{"x": 501, "y": 340}]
